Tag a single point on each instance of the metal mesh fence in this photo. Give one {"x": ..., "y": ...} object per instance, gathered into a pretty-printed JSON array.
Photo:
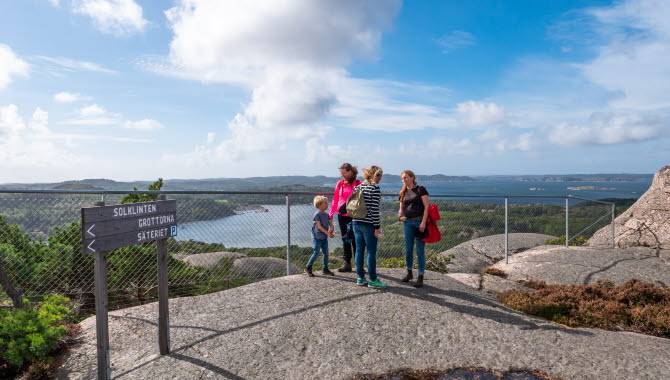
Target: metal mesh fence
[{"x": 228, "y": 240}]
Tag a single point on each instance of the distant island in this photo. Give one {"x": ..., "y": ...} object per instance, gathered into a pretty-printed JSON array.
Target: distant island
[
  {"x": 589, "y": 188},
  {"x": 585, "y": 178}
]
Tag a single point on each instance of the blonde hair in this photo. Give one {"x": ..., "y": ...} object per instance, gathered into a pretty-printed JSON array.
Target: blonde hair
[
  {"x": 319, "y": 199},
  {"x": 372, "y": 174},
  {"x": 404, "y": 187}
]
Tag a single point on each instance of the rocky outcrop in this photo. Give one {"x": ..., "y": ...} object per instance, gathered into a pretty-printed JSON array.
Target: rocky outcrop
[
  {"x": 299, "y": 327},
  {"x": 644, "y": 224},
  {"x": 210, "y": 259},
  {"x": 262, "y": 267},
  {"x": 587, "y": 265},
  {"x": 475, "y": 255}
]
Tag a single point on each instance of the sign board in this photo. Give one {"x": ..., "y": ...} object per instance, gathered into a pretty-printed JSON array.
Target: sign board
[{"x": 110, "y": 227}]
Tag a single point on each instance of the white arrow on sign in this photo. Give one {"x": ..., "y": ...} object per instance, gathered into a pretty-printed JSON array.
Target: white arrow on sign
[
  {"x": 90, "y": 244},
  {"x": 89, "y": 231}
]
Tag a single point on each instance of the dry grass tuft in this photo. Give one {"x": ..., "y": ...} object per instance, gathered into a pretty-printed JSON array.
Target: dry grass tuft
[
  {"x": 495, "y": 272},
  {"x": 633, "y": 306}
]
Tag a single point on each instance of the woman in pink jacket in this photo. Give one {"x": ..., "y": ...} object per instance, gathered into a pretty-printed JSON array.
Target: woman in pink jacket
[{"x": 343, "y": 189}]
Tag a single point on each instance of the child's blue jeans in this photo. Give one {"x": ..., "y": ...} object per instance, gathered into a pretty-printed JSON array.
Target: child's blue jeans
[{"x": 319, "y": 245}]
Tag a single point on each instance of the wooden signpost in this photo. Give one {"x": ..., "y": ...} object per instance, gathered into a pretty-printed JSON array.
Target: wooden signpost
[{"x": 109, "y": 227}]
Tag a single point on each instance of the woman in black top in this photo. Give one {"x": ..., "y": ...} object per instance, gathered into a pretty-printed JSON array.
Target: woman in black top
[{"x": 414, "y": 213}]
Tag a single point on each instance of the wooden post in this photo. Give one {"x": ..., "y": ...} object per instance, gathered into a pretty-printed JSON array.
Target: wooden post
[
  {"x": 101, "y": 308},
  {"x": 163, "y": 309}
]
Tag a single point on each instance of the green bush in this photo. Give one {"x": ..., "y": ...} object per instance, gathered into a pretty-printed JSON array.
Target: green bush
[
  {"x": 579, "y": 240},
  {"x": 438, "y": 263},
  {"x": 394, "y": 262},
  {"x": 29, "y": 335},
  {"x": 434, "y": 262}
]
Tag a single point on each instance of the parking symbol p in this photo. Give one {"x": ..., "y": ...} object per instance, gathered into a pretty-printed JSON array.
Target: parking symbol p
[{"x": 173, "y": 230}]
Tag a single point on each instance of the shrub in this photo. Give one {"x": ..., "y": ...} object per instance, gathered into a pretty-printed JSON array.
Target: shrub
[
  {"x": 434, "y": 262},
  {"x": 438, "y": 263},
  {"x": 635, "y": 305},
  {"x": 30, "y": 335},
  {"x": 394, "y": 262},
  {"x": 534, "y": 284},
  {"x": 495, "y": 272},
  {"x": 579, "y": 240}
]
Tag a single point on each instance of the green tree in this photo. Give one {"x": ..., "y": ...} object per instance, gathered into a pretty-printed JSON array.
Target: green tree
[{"x": 136, "y": 198}]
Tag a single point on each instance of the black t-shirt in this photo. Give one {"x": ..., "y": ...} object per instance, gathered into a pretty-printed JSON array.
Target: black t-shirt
[{"x": 412, "y": 204}]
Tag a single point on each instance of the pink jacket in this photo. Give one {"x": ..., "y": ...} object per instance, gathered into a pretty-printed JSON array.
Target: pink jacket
[{"x": 341, "y": 194}]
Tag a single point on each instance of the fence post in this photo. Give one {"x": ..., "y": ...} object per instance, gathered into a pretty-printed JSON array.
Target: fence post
[
  {"x": 163, "y": 305},
  {"x": 101, "y": 309},
  {"x": 288, "y": 240},
  {"x": 506, "y": 232},
  {"x": 613, "y": 212},
  {"x": 567, "y": 224}
]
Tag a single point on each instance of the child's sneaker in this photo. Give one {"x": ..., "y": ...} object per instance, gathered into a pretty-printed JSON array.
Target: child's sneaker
[
  {"x": 361, "y": 282},
  {"x": 327, "y": 272},
  {"x": 377, "y": 284},
  {"x": 308, "y": 272}
]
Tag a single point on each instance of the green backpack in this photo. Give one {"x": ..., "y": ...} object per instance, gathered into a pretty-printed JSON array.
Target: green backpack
[{"x": 356, "y": 205}]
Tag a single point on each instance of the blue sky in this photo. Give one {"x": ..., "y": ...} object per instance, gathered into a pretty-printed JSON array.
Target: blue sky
[{"x": 133, "y": 89}]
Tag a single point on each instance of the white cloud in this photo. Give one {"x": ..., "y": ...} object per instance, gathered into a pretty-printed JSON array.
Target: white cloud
[
  {"x": 115, "y": 17},
  {"x": 455, "y": 40},
  {"x": 607, "y": 128},
  {"x": 144, "y": 125},
  {"x": 449, "y": 147},
  {"x": 472, "y": 113},
  {"x": 317, "y": 152},
  {"x": 54, "y": 3},
  {"x": 92, "y": 110},
  {"x": 23, "y": 148},
  {"x": 524, "y": 142},
  {"x": 68, "y": 97},
  {"x": 40, "y": 121},
  {"x": 290, "y": 54},
  {"x": 72, "y": 65},
  {"x": 93, "y": 115},
  {"x": 10, "y": 66},
  {"x": 234, "y": 41},
  {"x": 635, "y": 61},
  {"x": 210, "y": 137},
  {"x": 381, "y": 105},
  {"x": 10, "y": 121}
]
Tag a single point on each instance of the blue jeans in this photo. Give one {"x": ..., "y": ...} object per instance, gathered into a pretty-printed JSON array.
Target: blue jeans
[
  {"x": 319, "y": 245},
  {"x": 410, "y": 226},
  {"x": 365, "y": 238}
]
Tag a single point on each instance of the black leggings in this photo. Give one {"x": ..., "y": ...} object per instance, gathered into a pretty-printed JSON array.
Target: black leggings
[{"x": 349, "y": 248}]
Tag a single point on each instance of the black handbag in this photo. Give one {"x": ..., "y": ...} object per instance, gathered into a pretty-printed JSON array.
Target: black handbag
[{"x": 420, "y": 235}]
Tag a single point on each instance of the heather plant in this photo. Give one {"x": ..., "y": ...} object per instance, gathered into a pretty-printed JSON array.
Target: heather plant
[
  {"x": 634, "y": 305},
  {"x": 495, "y": 272}
]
